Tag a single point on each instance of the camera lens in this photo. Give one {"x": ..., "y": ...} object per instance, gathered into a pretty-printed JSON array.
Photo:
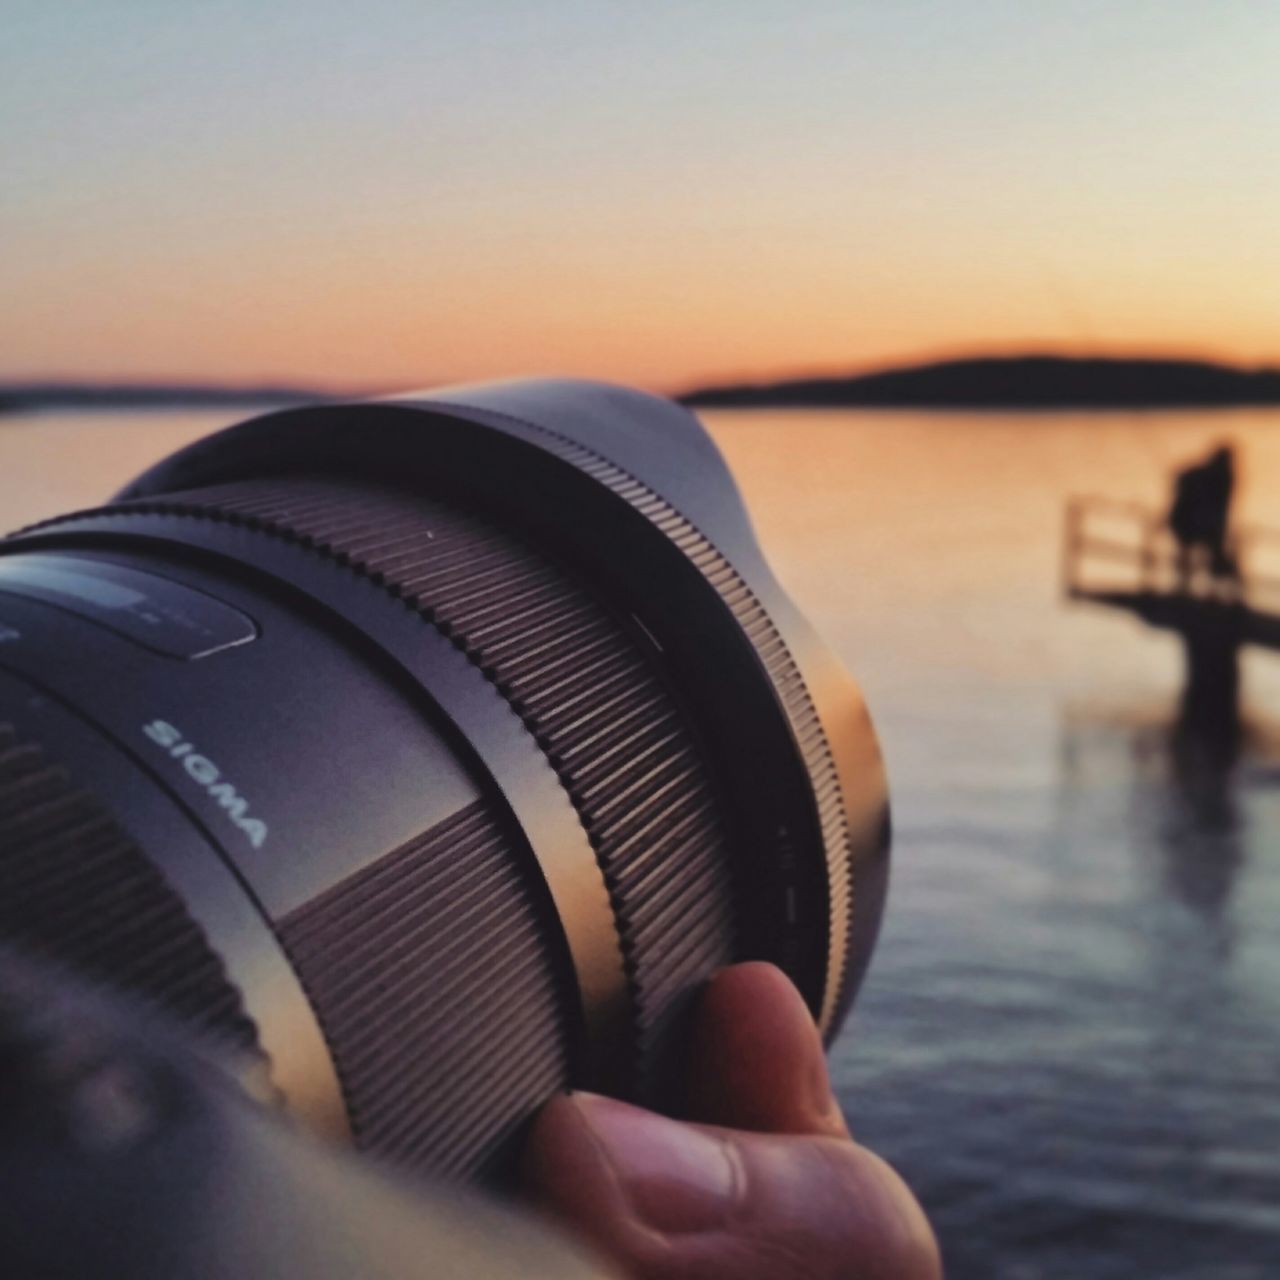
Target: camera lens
[{"x": 432, "y": 751}]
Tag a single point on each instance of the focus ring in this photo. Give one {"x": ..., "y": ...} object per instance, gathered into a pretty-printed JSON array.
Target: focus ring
[{"x": 785, "y": 675}]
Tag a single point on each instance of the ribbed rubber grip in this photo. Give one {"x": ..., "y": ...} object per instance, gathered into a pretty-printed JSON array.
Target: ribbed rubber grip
[
  {"x": 577, "y": 677},
  {"x": 429, "y": 976},
  {"x": 787, "y": 680},
  {"x": 76, "y": 890}
]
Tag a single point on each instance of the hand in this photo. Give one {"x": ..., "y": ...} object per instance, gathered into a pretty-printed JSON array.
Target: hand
[{"x": 768, "y": 1184}]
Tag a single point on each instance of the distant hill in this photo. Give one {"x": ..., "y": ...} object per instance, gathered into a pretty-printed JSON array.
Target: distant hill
[
  {"x": 1016, "y": 382},
  {"x": 25, "y": 396}
]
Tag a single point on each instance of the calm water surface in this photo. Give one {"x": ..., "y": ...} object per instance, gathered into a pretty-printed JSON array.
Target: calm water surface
[{"x": 1070, "y": 1036}]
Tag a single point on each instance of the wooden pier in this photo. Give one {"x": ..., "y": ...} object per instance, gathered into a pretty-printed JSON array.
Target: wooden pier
[{"x": 1121, "y": 555}]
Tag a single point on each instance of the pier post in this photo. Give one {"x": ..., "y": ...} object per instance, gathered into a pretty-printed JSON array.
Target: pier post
[{"x": 1211, "y": 692}]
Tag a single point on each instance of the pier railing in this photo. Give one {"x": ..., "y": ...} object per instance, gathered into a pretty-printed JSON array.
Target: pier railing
[{"x": 1113, "y": 546}]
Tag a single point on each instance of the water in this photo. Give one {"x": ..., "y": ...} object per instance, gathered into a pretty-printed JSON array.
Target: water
[{"x": 1069, "y": 1038}]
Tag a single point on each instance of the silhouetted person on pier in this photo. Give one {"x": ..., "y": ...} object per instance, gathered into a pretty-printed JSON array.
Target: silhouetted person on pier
[{"x": 1198, "y": 517}]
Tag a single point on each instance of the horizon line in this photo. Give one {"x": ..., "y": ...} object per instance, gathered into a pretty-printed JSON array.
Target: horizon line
[{"x": 53, "y": 385}]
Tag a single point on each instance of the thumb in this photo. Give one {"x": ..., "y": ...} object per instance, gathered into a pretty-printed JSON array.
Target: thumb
[
  {"x": 756, "y": 1059},
  {"x": 674, "y": 1201}
]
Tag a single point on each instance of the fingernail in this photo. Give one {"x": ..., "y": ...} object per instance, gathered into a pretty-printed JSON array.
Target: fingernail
[
  {"x": 826, "y": 1105},
  {"x": 676, "y": 1178}
]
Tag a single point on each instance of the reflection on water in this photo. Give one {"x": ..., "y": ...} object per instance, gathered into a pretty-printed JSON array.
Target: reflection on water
[
  {"x": 1070, "y": 1035},
  {"x": 1199, "y": 827}
]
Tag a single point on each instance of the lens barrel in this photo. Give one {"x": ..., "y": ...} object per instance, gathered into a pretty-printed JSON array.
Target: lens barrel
[{"x": 434, "y": 750}]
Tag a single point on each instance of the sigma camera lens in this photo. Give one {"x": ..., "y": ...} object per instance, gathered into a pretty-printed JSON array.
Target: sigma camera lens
[{"x": 432, "y": 752}]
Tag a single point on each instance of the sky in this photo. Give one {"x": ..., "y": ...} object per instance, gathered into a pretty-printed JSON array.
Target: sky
[{"x": 388, "y": 193}]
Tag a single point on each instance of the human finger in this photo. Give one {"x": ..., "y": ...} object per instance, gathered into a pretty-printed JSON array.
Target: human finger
[{"x": 756, "y": 1058}]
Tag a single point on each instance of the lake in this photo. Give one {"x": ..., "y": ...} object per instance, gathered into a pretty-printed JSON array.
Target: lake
[{"x": 1070, "y": 1035}]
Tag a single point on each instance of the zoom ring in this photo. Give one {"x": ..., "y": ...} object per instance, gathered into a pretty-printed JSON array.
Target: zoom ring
[
  {"x": 580, "y": 682},
  {"x": 446, "y": 913},
  {"x": 77, "y": 891}
]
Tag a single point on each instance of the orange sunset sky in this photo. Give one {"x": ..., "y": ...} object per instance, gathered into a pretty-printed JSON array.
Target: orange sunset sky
[{"x": 386, "y": 194}]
